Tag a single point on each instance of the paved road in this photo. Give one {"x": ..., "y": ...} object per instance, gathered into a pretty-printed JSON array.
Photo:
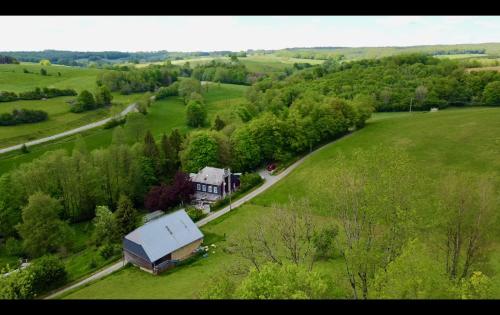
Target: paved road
[
  {"x": 131, "y": 107},
  {"x": 93, "y": 277},
  {"x": 269, "y": 181}
]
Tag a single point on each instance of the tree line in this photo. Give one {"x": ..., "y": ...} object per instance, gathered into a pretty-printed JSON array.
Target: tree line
[
  {"x": 8, "y": 60},
  {"x": 138, "y": 80},
  {"x": 395, "y": 83},
  {"x": 36, "y": 94},
  {"x": 233, "y": 72},
  {"x": 87, "y": 101},
  {"x": 22, "y": 116}
]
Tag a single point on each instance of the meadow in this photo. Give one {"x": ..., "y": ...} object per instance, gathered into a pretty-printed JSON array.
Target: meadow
[
  {"x": 60, "y": 119},
  {"x": 464, "y": 140},
  {"x": 164, "y": 115},
  {"x": 262, "y": 63},
  {"x": 13, "y": 78}
]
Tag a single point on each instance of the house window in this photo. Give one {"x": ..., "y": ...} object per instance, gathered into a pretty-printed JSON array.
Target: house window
[
  {"x": 209, "y": 189},
  {"x": 215, "y": 190},
  {"x": 204, "y": 187},
  {"x": 198, "y": 187}
]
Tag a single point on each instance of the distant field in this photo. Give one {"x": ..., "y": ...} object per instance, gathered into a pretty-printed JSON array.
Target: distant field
[
  {"x": 163, "y": 116},
  {"x": 13, "y": 79},
  {"x": 437, "y": 143},
  {"x": 60, "y": 117},
  {"x": 460, "y": 56},
  {"x": 254, "y": 63},
  {"x": 496, "y": 68}
]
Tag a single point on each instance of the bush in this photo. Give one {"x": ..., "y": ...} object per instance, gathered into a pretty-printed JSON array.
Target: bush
[
  {"x": 24, "y": 149},
  {"x": 48, "y": 273},
  {"x": 22, "y": 116},
  {"x": 92, "y": 263},
  {"x": 8, "y": 96},
  {"x": 13, "y": 247},
  {"x": 195, "y": 214},
  {"x": 114, "y": 122},
  {"x": 248, "y": 181},
  {"x": 109, "y": 250},
  {"x": 171, "y": 90},
  {"x": 324, "y": 241},
  {"x": 17, "y": 286}
]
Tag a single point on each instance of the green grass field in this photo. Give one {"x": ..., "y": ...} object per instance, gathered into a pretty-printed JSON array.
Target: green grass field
[
  {"x": 13, "y": 79},
  {"x": 438, "y": 143},
  {"x": 60, "y": 119},
  {"x": 164, "y": 115},
  {"x": 254, "y": 63}
]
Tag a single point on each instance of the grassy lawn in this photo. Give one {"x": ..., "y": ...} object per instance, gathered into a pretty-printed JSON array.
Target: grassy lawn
[{"x": 448, "y": 140}]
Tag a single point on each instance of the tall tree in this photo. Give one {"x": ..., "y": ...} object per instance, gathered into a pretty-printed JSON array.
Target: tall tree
[
  {"x": 170, "y": 162},
  {"x": 105, "y": 227},
  {"x": 196, "y": 114},
  {"x": 42, "y": 230},
  {"x": 374, "y": 229},
  {"x": 125, "y": 216},
  {"x": 468, "y": 211}
]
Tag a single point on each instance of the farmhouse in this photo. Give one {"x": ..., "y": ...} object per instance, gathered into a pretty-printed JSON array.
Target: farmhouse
[
  {"x": 212, "y": 183},
  {"x": 161, "y": 243}
]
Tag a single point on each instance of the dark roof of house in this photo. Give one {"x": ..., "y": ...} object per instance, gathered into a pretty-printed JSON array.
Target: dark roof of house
[{"x": 162, "y": 236}]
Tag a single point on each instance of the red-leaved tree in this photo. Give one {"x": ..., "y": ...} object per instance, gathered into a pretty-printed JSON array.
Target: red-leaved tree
[{"x": 166, "y": 196}]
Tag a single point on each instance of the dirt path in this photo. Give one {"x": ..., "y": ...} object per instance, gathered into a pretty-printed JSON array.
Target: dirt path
[{"x": 127, "y": 110}]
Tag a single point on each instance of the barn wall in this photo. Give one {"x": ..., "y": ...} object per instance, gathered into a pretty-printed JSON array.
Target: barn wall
[
  {"x": 186, "y": 251},
  {"x": 138, "y": 261}
]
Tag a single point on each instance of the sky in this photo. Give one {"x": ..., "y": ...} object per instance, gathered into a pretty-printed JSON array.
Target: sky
[{"x": 235, "y": 33}]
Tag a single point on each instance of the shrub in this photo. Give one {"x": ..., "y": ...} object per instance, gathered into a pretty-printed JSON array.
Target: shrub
[
  {"x": 249, "y": 180},
  {"x": 324, "y": 241},
  {"x": 13, "y": 247},
  {"x": 114, "y": 122},
  {"x": 48, "y": 273},
  {"x": 22, "y": 116},
  {"x": 109, "y": 250},
  {"x": 24, "y": 149},
  {"x": 17, "y": 286},
  {"x": 195, "y": 214},
  {"x": 7, "y": 96},
  {"x": 92, "y": 263},
  {"x": 171, "y": 90}
]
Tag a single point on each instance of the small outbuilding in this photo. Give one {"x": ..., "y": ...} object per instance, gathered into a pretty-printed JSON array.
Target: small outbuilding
[{"x": 163, "y": 242}]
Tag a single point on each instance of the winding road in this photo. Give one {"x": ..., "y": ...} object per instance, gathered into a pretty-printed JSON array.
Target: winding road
[
  {"x": 130, "y": 108},
  {"x": 269, "y": 181}
]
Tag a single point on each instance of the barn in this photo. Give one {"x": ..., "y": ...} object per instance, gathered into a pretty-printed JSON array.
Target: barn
[{"x": 163, "y": 242}]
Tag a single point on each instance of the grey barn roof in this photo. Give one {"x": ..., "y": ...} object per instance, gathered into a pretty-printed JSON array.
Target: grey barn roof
[
  {"x": 209, "y": 175},
  {"x": 164, "y": 235}
]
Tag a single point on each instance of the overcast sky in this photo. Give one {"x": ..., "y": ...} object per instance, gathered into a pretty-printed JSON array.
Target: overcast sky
[{"x": 208, "y": 33}]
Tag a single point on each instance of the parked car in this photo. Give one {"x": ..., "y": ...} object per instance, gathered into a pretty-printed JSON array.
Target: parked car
[{"x": 271, "y": 167}]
